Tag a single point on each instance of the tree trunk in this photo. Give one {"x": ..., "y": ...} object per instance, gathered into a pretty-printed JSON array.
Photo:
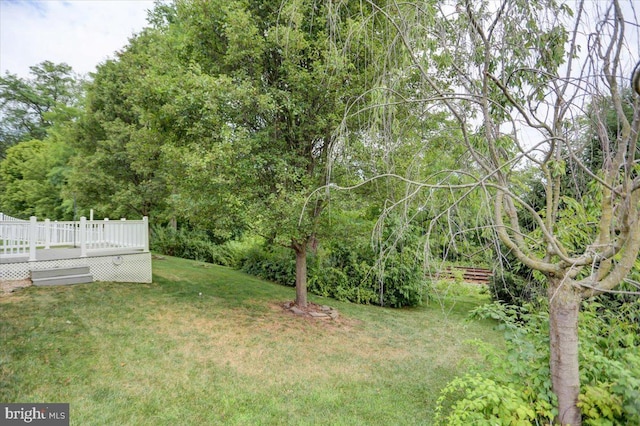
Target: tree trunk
[
  {"x": 564, "y": 305},
  {"x": 301, "y": 274}
]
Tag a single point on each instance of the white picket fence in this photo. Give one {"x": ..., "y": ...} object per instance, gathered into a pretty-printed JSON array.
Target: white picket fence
[{"x": 22, "y": 237}]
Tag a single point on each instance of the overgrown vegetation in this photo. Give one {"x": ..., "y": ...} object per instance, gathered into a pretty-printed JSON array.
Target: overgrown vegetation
[{"x": 517, "y": 387}]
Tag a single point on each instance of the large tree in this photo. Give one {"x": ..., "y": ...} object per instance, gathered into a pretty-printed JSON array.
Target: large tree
[
  {"x": 26, "y": 103},
  {"x": 518, "y": 77},
  {"x": 252, "y": 117},
  {"x": 34, "y": 173},
  {"x": 118, "y": 167},
  {"x": 36, "y": 121}
]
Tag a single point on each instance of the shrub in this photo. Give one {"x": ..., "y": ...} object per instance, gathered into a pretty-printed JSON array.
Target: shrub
[
  {"x": 513, "y": 289},
  {"x": 610, "y": 363},
  {"x": 275, "y": 264},
  {"x": 483, "y": 401},
  {"x": 343, "y": 272},
  {"x": 609, "y": 374},
  {"x": 354, "y": 273},
  {"x": 190, "y": 244}
]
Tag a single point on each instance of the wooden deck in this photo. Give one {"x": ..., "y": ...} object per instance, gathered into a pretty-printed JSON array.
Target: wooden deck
[
  {"x": 113, "y": 250},
  {"x": 67, "y": 253},
  {"x": 111, "y": 264},
  {"x": 467, "y": 273}
]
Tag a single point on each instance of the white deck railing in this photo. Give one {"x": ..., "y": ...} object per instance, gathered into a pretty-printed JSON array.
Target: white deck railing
[
  {"x": 7, "y": 218},
  {"x": 22, "y": 238}
]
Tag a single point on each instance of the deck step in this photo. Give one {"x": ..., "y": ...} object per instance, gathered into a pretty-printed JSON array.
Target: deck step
[
  {"x": 64, "y": 280},
  {"x": 59, "y": 272},
  {"x": 61, "y": 276}
]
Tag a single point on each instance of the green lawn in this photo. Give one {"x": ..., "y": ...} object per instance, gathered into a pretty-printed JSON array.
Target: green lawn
[{"x": 162, "y": 354}]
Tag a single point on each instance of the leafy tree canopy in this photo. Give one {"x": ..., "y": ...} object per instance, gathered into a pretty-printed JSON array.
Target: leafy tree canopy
[{"x": 26, "y": 104}]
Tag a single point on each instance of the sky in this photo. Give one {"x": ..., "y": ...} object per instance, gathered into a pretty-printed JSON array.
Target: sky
[{"x": 81, "y": 33}]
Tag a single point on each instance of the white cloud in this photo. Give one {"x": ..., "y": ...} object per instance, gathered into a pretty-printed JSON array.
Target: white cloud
[{"x": 81, "y": 33}]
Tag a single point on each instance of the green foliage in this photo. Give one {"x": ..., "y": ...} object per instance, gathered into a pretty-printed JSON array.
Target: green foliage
[
  {"x": 590, "y": 148},
  {"x": 32, "y": 179},
  {"x": 483, "y": 401},
  {"x": 610, "y": 360},
  {"x": 190, "y": 244},
  {"x": 118, "y": 169},
  {"x": 610, "y": 372},
  {"x": 600, "y": 405},
  {"x": 27, "y": 105},
  {"x": 221, "y": 114},
  {"x": 514, "y": 289},
  {"x": 625, "y": 302},
  {"x": 243, "y": 98},
  {"x": 343, "y": 272},
  {"x": 36, "y": 121},
  {"x": 348, "y": 271},
  {"x": 276, "y": 264}
]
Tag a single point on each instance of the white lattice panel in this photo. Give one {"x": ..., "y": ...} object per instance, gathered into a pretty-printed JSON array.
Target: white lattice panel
[
  {"x": 22, "y": 271},
  {"x": 14, "y": 271},
  {"x": 130, "y": 268},
  {"x": 134, "y": 268}
]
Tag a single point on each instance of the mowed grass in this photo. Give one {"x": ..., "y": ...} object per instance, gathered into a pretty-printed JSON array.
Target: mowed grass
[{"x": 205, "y": 344}]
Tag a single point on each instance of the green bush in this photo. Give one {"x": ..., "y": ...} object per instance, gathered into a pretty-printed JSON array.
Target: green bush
[
  {"x": 343, "y": 272},
  {"x": 190, "y": 244},
  {"x": 355, "y": 273},
  {"x": 481, "y": 400},
  {"x": 276, "y": 264},
  {"x": 610, "y": 363},
  {"x": 609, "y": 371},
  {"x": 513, "y": 289}
]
